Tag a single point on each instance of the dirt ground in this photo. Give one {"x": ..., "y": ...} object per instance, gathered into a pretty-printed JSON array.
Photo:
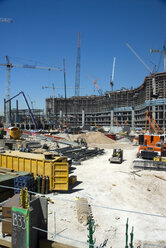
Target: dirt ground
[
  {"x": 110, "y": 190},
  {"x": 115, "y": 192}
]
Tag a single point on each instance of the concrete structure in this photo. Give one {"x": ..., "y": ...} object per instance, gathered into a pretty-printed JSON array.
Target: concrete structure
[
  {"x": 124, "y": 105},
  {"x": 22, "y": 118}
]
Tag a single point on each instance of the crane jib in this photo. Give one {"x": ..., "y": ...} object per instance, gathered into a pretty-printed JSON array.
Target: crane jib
[{"x": 29, "y": 66}]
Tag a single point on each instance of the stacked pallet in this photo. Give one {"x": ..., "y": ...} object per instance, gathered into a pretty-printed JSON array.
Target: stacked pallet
[{"x": 24, "y": 181}]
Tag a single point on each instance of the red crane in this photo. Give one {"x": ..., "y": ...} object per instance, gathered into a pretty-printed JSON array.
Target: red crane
[{"x": 97, "y": 86}]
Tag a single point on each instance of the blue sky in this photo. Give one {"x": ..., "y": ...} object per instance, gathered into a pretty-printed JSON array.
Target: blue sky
[{"x": 44, "y": 32}]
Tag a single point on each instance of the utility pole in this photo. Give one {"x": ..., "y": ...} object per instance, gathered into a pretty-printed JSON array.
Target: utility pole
[
  {"x": 162, "y": 52},
  {"x": 77, "y": 75}
]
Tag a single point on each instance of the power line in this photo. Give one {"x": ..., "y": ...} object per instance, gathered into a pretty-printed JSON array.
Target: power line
[
  {"x": 95, "y": 205},
  {"x": 52, "y": 234}
]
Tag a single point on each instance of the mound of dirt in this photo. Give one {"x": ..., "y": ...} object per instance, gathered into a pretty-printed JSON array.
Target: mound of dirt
[{"x": 94, "y": 138}]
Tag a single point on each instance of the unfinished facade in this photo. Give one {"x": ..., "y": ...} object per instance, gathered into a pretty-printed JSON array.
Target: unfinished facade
[
  {"x": 114, "y": 108},
  {"x": 22, "y": 119}
]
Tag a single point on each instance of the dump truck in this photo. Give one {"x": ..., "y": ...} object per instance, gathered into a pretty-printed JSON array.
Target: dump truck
[{"x": 117, "y": 156}]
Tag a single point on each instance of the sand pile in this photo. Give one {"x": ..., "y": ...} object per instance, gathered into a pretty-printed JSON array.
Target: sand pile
[{"x": 93, "y": 138}]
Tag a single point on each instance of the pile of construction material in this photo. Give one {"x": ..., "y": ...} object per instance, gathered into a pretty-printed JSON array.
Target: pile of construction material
[
  {"x": 79, "y": 154},
  {"x": 93, "y": 138},
  {"x": 76, "y": 147}
]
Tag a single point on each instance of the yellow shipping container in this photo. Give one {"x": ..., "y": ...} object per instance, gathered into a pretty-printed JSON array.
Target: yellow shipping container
[{"x": 55, "y": 167}]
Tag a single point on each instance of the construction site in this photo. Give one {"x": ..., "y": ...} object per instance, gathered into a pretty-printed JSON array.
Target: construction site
[
  {"x": 114, "y": 108},
  {"x": 88, "y": 171}
]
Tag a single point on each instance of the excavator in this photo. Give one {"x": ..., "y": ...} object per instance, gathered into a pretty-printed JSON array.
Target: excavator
[
  {"x": 152, "y": 144},
  {"x": 153, "y": 124}
]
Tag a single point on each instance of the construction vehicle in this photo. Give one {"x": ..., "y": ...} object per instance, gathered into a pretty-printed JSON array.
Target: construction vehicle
[
  {"x": 154, "y": 144},
  {"x": 153, "y": 124},
  {"x": 117, "y": 156},
  {"x": 30, "y": 111},
  {"x": 151, "y": 144}
]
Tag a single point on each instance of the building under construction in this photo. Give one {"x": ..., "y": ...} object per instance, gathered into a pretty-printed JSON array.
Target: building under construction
[
  {"x": 22, "y": 118},
  {"x": 113, "y": 108}
]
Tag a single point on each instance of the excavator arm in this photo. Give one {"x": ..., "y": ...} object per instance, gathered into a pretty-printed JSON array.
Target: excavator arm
[{"x": 153, "y": 123}]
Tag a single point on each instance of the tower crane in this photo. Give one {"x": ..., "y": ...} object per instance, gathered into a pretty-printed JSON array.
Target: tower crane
[
  {"x": 31, "y": 102},
  {"x": 95, "y": 83},
  {"x": 138, "y": 57},
  {"x": 153, "y": 81},
  {"x": 8, "y": 66},
  {"x": 77, "y": 75},
  {"x": 162, "y": 52},
  {"x": 53, "y": 87},
  {"x": 6, "y": 20},
  {"x": 151, "y": 73},
  {"x": 53, "y": 96},
  {"x": 112, "y": 75}
]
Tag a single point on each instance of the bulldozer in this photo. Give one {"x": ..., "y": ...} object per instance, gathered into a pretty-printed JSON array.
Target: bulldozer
[{"x": 117, "y": 156}]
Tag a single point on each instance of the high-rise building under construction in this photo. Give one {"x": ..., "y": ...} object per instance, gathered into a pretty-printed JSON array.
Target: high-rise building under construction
[{"x": 124, "y": 106}]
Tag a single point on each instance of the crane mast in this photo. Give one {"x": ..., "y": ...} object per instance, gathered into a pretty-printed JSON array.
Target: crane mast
[
  {"x": 112, "y": 76},
  {"x": 162, "y": 52},
  {"x": 77, "y": 75},
  {"x": 53, "y": 96},
  {"x": 64, "y": 69}
]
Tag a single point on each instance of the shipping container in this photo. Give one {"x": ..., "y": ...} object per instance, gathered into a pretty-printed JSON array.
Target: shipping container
[{"x": 55, "y": 167}]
